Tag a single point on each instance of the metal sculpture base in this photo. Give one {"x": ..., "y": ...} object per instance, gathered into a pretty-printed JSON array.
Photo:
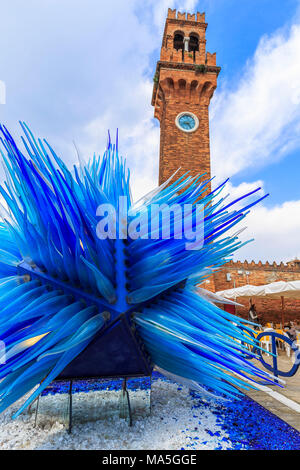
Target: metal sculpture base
[{"x": 129, "y": 399}]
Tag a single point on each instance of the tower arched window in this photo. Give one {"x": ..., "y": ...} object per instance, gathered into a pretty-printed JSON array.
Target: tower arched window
[
  {"x": 178, "y": 41},
  {"x": 194, "y": 44},
  {"x": 181, "y": 84},
  {"x": 170, "y": 83}
]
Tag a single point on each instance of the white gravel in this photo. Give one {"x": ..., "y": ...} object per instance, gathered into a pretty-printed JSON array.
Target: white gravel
[{"x": 173, "y": 424}]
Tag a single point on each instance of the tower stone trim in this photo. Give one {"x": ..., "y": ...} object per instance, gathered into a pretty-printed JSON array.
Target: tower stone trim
[{"x": 185, "y": 80}]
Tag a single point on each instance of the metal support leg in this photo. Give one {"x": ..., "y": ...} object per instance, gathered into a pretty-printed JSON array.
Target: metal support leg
[
  {"x": 36, "y": 410},
  {"x": 70, "y": 407},
  {"x": 150, "y": 395},
  {"x": 125, "y": 393},
  {"x": 274, "y": 351}
]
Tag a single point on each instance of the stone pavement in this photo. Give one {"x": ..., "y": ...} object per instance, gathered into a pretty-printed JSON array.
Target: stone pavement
[{"x": 291, "y": 391}]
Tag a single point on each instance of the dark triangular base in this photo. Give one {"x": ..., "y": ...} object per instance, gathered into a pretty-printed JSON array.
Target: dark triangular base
[{"x": 115, "y": 352}]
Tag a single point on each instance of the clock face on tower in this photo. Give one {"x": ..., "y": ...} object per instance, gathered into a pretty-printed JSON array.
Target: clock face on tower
[{"x": 187, "y": 122}]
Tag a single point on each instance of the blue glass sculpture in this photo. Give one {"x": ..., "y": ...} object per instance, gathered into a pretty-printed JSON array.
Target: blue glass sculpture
[{"x": 75, "y": 305}]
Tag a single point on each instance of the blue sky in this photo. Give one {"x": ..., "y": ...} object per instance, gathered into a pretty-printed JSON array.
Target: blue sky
[
  {"x": 234, "y": 31},
  {"x": 74, "y": 69}
]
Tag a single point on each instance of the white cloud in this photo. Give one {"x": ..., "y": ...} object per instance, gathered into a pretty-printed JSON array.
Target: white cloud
[
  {"x": 242, "y": 189},
  {"x": 254, "y": 123},
  {"x": 2, "y": 92},
  {"x": 72, "y": 73},
  {"x": 138, "y": 137},
  {"x": 139, "y": 133},
  {"x": 276, "y": 231},
  {"x": 160, "y": 9},
  {"x": 258, "y": 121}
]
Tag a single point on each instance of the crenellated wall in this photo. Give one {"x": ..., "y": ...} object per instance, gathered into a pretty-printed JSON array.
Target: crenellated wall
[{"x": 173, "y": 14}]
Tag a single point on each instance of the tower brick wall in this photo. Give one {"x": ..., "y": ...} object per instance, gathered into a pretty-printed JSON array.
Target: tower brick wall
[
  {"x": 184, "y": 81},
  {"x": 258, "y": 274}
]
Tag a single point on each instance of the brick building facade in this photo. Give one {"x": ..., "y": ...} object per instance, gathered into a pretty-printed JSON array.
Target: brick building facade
[{"x": 184, "y": 83}]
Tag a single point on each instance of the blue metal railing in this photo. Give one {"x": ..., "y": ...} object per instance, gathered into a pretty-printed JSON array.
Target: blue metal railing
[{"x": 274, "y": 367}]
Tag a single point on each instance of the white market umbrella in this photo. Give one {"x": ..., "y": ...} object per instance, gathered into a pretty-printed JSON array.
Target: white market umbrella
[{"x": 275, "y": 290}]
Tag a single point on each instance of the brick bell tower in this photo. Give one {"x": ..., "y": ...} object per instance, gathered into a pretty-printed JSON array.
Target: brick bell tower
[{"x": 184, "y": 82}]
